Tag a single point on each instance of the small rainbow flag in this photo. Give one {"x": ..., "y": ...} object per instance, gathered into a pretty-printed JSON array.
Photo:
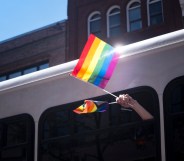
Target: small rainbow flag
[
  {"x": 91, "y": 106},
  {"x": 96, "y": 63}
]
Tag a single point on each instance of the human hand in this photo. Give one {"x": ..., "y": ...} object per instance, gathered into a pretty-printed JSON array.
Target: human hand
[{"x": 126, "y": 101}]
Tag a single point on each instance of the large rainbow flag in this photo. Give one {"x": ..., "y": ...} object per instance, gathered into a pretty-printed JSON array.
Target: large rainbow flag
[{"x": 96, "y": 63}]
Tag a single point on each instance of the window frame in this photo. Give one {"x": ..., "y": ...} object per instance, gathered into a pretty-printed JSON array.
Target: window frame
[
  {"x": 148, "y": 11},
  {"x": 30, "y": 134},
  {"x": 170, "y": 116},
  {"x": 156, "y": 120},
  {"x": 127, "y": 13},
  {"x": 108, "y": 18},
  {"x": 22, "y": 70},
  {"x": 89, "y": 20}
]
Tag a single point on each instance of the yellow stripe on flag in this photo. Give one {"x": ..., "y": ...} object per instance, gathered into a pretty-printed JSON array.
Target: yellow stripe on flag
[
  {"x": 94, "y": 61},
  {"x": 88, "y": 58}
]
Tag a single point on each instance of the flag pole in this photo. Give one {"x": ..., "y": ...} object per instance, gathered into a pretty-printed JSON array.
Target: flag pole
[
  {"x": 103, "y": 90},
  {"x": 110, "y": 93},
  {"x": 94, "y": 86}
]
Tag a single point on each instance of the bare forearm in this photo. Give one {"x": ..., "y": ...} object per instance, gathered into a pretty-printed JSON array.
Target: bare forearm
[
  {"x": 142, "y": 112},
  {"x": 128, "y": 102}
]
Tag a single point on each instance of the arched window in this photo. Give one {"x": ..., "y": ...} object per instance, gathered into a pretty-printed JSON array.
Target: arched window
[
  {"x": 134, "y": 19},
  {"x": 155, "y": 12},
  {"x": 94, "y": 23},
  {"x": 113, "y": 21}
]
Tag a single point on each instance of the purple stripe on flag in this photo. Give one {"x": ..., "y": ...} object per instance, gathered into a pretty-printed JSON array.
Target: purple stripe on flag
[{"x": 109, "y": 70}]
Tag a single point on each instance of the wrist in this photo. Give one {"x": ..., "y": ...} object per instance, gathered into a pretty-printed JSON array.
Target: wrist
[{"x": 134, "y": 104}]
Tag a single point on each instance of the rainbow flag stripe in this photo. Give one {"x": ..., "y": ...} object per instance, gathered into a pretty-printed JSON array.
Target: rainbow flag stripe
[
  {"x": 96, "y": 63},
  {"x": 91, "y": 106}
]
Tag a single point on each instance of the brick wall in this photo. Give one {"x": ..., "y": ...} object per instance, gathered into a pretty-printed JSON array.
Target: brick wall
[{"x": 45, "y": 44}]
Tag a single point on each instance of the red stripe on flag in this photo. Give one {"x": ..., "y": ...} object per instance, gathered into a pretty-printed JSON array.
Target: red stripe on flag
[{"x": 83, "y": 55}]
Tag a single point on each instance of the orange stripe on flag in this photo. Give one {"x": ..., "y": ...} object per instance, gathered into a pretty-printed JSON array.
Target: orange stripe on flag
[{"x": 88, "y": 58}]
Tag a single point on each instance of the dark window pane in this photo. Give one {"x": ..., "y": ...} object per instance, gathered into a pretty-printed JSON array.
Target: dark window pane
[
  {"x": 178, "y": 139},
  {"x": 178, "y": 99},
  {"x": 108, "y": 145},
  {"x": 114, "y": 23},
  {"x": 134, "y": 14},
  {"x": 17, "y": 138},
  {"x": 95, "y": 26},
  {"x": 95, "y": 17},
  {"x": 155, "y": 11},
  {"x": 57, "y": 124},
  {"x": 174, "y": 119},
  {"x": 14, "y": 154},
  {"x": 135, "y": 4},
  {"x": 2, "y": 78},
  {"x": 115, "y": 11},
  {"x": 135, "y": 22},
  {"x": 43, "y": 66},
  {"x": 16, "y": 133},
  {"x": 14, "y": 75},
  {"x": 114, "y": 20},
  {"x": 156, "y": 20},
  {"x": 24, "y": 71},
  {"x": 135, "y": 25},
  {"x": 1, "y": 135},
  {"x": 30, "y": 70},
  {"x": 115, "y": 31},
  {"x": 155, "y": 8},
  {"x": 108, "y": 136}
]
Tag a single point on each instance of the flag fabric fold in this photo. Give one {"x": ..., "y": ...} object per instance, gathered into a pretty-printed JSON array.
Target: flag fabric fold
[
  {"x": 91, "y": 106},
  {"x": 96, "y": 63}
]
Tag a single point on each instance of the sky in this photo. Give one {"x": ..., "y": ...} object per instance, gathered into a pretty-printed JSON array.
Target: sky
[{"x": 20, "y": 16}]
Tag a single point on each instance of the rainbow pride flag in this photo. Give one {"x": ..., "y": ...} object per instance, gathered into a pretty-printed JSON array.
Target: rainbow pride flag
[
  {"x": 91, "y": 106},
  {"x": 96, "y": 63}
]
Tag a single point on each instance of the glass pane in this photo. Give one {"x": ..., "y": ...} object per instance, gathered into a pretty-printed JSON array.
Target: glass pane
[
  {"x": 57, "y": 124},
  {"x": 155, "y": 8},
  {"x": 178, "y": 99},
  {"x": 16, "y": 133},
  {"x": 115, "y": 31},
  {"x": 106, "y": 145},
  {"x": 135, "y": 25},
  {"x": 44, "y": 66},
  {"x": 156, "y": 19},
  {"x": 114, "y": 20},
  {"x": 178, "y": 139},
  {"x": 14, "y": 75},
  {"x": 98, "y": 34},
  {"x": 30, "y": 70},
  {"x": 108, "y": 136},
  {"x": 1, "y": 135},
  {"x": 115, "y": 10},
  {"x": 95, "y": 17},
  {"x": 135, "y": 4},
  {"x": 134, "y": 14},
  {"x": 14, "y": 154},
  {"x": 95, "y": 26},
  {"x": 2, "y": 78}
]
